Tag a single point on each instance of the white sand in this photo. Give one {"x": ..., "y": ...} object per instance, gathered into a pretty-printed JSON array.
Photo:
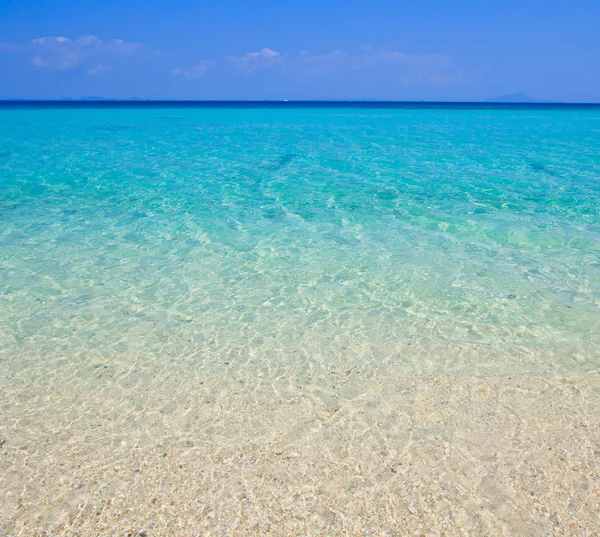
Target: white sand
[{"x": 109, "y": 448}]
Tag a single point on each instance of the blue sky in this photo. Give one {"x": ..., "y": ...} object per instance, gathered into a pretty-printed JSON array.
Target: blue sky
[{"x": 353, "y": 49}]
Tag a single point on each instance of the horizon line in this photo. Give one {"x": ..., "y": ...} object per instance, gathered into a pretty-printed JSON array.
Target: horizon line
[{"x": 326, "y": 100}]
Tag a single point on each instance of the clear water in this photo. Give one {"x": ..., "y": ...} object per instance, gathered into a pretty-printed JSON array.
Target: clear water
[{"x": 407, "y": 234}]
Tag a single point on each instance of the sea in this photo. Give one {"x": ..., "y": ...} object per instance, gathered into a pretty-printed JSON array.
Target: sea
[
  {"x": 174, "y": 228},
  {"x": 295, "y": 290}
]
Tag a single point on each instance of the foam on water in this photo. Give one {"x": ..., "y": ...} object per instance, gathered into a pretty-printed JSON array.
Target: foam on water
[{"x": 363, "y": 234}]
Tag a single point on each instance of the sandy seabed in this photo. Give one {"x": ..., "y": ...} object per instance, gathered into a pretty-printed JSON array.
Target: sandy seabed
[{"x": 113, "y": 447}]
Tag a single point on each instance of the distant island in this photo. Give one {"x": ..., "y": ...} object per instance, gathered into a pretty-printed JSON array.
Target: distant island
[
  {"x": 99, "y": 98},
  {"x": 516, "y": 98}
]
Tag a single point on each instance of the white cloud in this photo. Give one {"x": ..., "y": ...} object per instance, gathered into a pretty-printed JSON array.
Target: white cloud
[
  {"x": 118, "y": 46},
  {"x": 61, "y": 53},
  {"x": 196, "y": 71},
  {"x": 255, "y": 61},
  {"x": 85, "y": 41},
  {"x": 405, "y": 68},
  {"x": 365, "y": 65},
  {"x": 98, "y": 69},
  {"x": 264, "y": 53}
]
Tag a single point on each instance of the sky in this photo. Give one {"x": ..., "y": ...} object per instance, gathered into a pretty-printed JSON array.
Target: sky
[{"x": 461, "y": 50}]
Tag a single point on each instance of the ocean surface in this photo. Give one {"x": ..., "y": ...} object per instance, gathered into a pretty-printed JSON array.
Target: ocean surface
[
  {"x": 442, "y": 238},
  {"x": 325, "y": 319}
]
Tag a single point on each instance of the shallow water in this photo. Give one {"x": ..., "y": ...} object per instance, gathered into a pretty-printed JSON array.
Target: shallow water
[
  {"x": 173, "y": 231},
  {"x": 299, "y": 320}
]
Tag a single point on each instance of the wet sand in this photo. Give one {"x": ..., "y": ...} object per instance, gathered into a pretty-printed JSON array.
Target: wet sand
[{"x": 123, "y": 447}]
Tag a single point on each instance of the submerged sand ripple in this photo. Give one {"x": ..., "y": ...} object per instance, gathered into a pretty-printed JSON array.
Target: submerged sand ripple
[{"x": 112, "y": 449}]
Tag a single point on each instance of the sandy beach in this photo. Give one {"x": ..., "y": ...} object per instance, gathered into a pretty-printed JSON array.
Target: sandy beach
[{"x": 124, "y": 448}]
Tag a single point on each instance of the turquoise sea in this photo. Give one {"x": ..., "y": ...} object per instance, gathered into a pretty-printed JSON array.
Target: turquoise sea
[
  {"x": 325, "y": 319},
  {"x": 188, "y": 231}
]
